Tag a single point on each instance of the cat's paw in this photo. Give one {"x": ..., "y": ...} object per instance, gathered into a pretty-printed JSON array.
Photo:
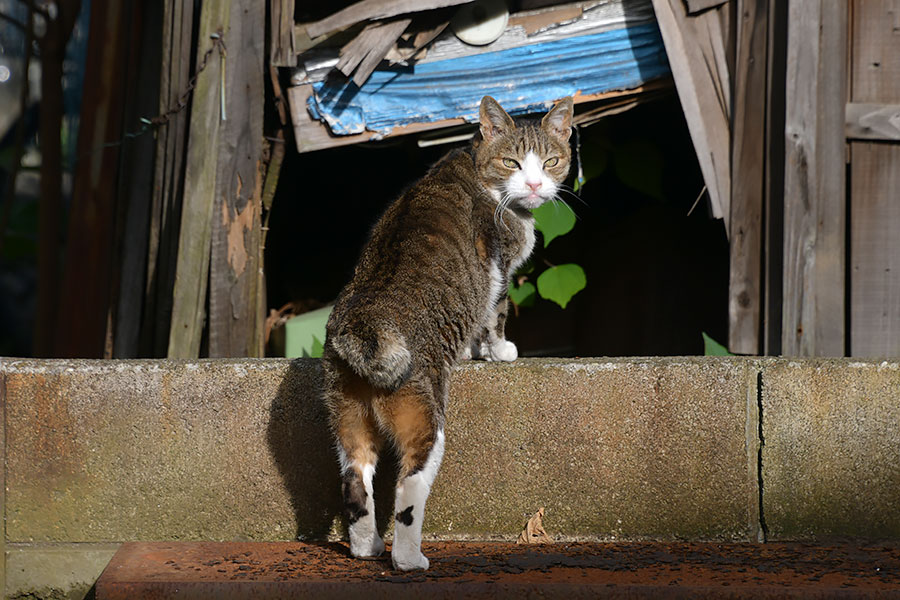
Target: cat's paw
[
  {"x": 466, "y": 353},
  {"x": 409, "y": 561},
  {"x": 503, "y": 350},
  {"x": 372, "y": 547}
]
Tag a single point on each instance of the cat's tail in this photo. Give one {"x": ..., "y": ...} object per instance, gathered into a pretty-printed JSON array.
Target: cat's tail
[{"x": 376, "y": 352}]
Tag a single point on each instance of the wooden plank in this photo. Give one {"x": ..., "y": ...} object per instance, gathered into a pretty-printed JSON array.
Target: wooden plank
[
  {"x": 874, "y": 180},
  {"x": 747, "y": 178},
  {"x": 696, "y": 53},
  {"x": 162, "y": 159},
  {"x": 876, "y": 52},
  {"x": 370, "y": 10},
  {"x": 814, "y": 212},
  {"x": 867, "y": 121},
  {"x": 281, "y": 33},
  {"x": 875, "y": 250},
  {"x": 695, "y": 6},
  {"x": 386, "y": 33},
  {"x": 235, "y": 257},
  {"x": 192, "y": 270},
  {"x": 168, "y": 185}
]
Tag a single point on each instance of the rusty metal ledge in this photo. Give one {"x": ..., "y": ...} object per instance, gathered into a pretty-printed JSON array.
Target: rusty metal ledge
[{"x": 492, "y": 570}]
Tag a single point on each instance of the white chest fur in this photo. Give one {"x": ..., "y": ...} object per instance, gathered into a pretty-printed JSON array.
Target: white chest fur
[{"x": 527, "y": 247}]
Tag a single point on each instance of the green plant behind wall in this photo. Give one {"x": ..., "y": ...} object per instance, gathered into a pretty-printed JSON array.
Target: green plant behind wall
[{"x": 558, "y": 283}]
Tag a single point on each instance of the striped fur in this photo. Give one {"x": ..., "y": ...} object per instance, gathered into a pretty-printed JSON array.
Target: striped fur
[{"x": 429, "y": 288}]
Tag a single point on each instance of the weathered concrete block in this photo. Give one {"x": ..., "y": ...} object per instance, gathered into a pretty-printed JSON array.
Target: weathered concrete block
[
  {"x": 238, "y": 450},
  {"x": 137, "y": 450},
  {"x": 628, "y": 449},
  {"x": 57, "y": 571},
  {"x": 831, "y": 449}
]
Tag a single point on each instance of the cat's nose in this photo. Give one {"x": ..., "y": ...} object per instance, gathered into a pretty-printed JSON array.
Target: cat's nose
[{"x": 534, "y": 185}]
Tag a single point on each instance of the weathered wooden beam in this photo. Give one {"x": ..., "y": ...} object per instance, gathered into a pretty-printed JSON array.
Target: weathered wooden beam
[
  {"x": 234, "y": 311},
  {"x": 748, "y": 178},
  {"x": 813, "y": 320},
  {"x": 192, "y": 271},
  {"x": 370, "y": 10},
  {"x": 695, "y": 6},
  {"x": 282, "y": 51},
  {"x": 379, "y": 38},
  {"x": 168, "y": 178},
  {"x": 697, "y": 55},
  {"x": 867, "y": 121}
]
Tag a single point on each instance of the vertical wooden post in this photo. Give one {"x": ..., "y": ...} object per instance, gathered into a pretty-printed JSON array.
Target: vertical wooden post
[
  {"x": 234, "y": 323},
  {"x": 192, "y": 271},
  {"x": 168, "y": 178},
  {"x": 814, "y": 207},
  {"x": 747, "y": 177}
]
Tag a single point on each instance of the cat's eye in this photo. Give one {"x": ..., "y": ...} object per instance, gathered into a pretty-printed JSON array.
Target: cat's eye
[
  {"x": 510, "y": 164},
  {"x": 551, "y": 162}
]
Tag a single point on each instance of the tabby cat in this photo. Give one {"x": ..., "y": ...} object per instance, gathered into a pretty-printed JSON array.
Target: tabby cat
[{"x": 430, "y": 289}]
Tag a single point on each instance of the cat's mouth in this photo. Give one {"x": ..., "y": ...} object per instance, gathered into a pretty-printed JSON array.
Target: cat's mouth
[{"x": 532, "y": 200}]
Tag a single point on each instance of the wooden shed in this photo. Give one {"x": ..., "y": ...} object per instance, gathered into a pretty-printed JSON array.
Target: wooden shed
[{"x": 793, "y": 110}]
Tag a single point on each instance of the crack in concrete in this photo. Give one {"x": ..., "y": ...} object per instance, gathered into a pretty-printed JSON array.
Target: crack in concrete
[{"x": 763, "y": 534}]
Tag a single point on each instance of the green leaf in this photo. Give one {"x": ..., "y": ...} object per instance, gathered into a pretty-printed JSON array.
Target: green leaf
[
  {"x": 553, "y": 219},
  {"x": 317, "y": 348},
  {"x": 562, "y": 282},
  {"x": 522, "y": 295},
  {"x": 713, "y": 348}
]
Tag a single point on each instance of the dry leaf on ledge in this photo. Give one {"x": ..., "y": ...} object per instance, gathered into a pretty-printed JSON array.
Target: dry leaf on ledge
[{"x": 534, "y": 530}]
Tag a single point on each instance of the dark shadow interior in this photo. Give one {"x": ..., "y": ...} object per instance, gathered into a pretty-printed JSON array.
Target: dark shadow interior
[{"x": 657, "y": 270}]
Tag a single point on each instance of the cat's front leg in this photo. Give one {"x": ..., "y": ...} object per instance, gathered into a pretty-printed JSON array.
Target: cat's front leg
[{"x": 494, "y": 345}]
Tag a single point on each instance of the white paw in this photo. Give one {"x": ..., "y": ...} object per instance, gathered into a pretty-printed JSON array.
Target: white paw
[
  {"x": 466, "y": 353},
  {"x": 503, "y": 350},
  {"x": 366, "y": 548},
  {"x": 409, "y": 561}
]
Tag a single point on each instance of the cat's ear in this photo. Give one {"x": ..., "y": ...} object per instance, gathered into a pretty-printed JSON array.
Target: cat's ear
[
  {"x": 558, "y": 121},
  {"x": 494, "y": 120}
]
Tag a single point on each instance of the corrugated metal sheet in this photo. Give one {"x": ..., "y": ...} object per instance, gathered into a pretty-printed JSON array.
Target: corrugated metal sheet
[{"x": 523, "y": 80}]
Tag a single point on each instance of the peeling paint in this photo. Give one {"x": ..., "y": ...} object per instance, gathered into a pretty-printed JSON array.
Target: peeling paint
[{"x": 237, "y": 228}]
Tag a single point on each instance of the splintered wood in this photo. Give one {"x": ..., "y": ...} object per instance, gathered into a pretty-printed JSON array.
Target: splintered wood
[{"x": 363, "y": 53}]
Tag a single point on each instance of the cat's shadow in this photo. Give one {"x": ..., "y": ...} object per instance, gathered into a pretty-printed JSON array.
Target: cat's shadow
[{"x": 303, "y": 449}]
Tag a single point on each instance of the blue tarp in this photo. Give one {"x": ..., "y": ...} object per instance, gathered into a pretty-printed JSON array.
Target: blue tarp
[{"x": 525, "y": 79}]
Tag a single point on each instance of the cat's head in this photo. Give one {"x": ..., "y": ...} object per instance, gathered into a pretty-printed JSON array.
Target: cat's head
[{"x": 524, "y": 163}]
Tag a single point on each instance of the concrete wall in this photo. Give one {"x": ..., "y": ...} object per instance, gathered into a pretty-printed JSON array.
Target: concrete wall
[{"x": 98, "y": 453}]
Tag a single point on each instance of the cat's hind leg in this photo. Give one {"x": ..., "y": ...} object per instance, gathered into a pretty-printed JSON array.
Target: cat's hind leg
[
  {"x": 358, "y": 443},
  {"x": 411, "y": 419}
]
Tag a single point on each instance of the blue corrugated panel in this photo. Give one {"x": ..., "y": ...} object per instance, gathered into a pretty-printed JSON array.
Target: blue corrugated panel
[{"x": 524, "y": 79}]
